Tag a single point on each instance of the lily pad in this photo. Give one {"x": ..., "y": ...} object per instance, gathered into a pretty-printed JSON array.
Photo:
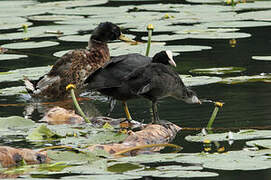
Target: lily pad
[
  {"x": 71, "y": 158},
  {"x": 42, "y": 133},
  {"x": 165, "y": 37},
  {"x": 12, "y": 22},
  {"x": 179, "y": 168},
  {"x": 217, "y": 35},
  {"x": 153, "y": 158},
  {"x": 232, "y": 160},
  {"x": 69, "y": 4},
  {"x": 245, "y": 79},
  {"x": 103, "y": 177},
  {"x": 179, "y": 174},
  {"x": 11, "y": 56},
  {"x": 54, "y": 18},
  {"x": 236, "y": 24},
  {"x": 61, "y": 53},
  {"x": 89, "y": 11},
  {"x": 256, "y": 5},
  {"x": 30, "y": 45},
  {"x": 122, "y": 48},
  {"x": 31, "y": 73},
  {"x": 264, "y": 143},
  {"x": 75, "y": 38},
  {"x": 255, "y": 15},
  {"x": 222, "y": 70},
  {"x": 205, "y": 30},
  {"x": 242, "y": 135},
  {"x": 12, "y": 91},
  {"x": 262, "y": 58},
  {"x": 199, "y": 80},
  {"x": 15, "y": 122},
  {"x": 205, "y": 1}
]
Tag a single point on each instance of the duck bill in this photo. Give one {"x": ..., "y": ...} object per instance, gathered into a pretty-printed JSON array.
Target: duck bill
[{"x": 124, "y": 38}]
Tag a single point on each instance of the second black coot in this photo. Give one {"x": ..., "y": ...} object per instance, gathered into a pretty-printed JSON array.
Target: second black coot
[{"x": 109, "y": 78}]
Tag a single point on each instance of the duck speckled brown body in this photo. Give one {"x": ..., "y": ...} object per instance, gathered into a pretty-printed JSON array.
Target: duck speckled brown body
[{"x": 75, "y": 66}]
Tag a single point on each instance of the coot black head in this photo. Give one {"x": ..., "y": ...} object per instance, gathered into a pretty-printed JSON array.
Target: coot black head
[
  {"x": 190, "y": 97},
  {"x": 164, "y": 57},
  {"x": 106, "y": 31}
]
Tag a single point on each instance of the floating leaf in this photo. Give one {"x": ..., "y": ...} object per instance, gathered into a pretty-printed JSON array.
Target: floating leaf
[
  {"x": 14, "y": 122},
  {"x": 30, "y": 45},
  {"x": 242, "y": 135},
  {"x": 256, "y": 5},
  {"x": 221, "y": 70},
  {"x": 118, "y": 48},
  {"x": 245, "y": 79},
  {"x": 205, "y": 30},
  {"x": 150, "y": 158},
  {"x": 13, "y": 90},
  {"x": 264, "y": 143},
  {"x": 232, "y": 160},
  {"x": 69, "y": 4},
  {"x": 217, "y": 35},
  {"x": 179, "y": 174},
  {"x": 179, "y": 168},
  {"x": 11, "y": 22},
  {"x": 123, "y": 167},
  {"x": 42, "y": 133},
  {"x": 199, "y": 80},
  {"x": 54, "y": 18},
  {"x": 11, "y": 56},
  {"x": 75, "y": 38},
  {"x": 31, "y": 73},
  {"x": 61, "y": 53},
  {"x": 255, "y": 15},
  {"x": 166, "y": 37},
  {"x": 238, "y": 24},
  {"x": 204, "y": 1},
  {"x": 71, "y": 158},
  {"x": 262, "y": 58}
]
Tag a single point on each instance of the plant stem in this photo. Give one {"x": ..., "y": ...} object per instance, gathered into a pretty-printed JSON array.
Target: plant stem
[
  {"x": 212, "y": 119},
  {"x": 78, "y": 108},
  {"x": 150, "y": 29}
]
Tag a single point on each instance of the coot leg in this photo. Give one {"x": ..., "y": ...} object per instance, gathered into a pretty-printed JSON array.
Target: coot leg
[
  {"x": 128, "y": 115},
  {"x": 155, "y": 119},
  {"x": 112, "y": 103}
]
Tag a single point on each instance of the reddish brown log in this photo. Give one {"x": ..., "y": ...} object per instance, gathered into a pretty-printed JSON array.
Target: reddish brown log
[{"x": 12, "y": 157}]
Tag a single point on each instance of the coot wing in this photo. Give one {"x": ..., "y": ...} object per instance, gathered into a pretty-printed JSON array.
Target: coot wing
[{"x": 112, "y": 73}]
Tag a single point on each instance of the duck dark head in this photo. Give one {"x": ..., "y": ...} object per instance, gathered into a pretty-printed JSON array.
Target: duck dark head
[
  {"x": 164, "y": 57},
  {"x": 106, "y": 31}
]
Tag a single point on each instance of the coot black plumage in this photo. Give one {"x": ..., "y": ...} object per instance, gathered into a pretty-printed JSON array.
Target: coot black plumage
[
  {"x": 156, "y": 81},
  {"x": 76, "y": 65},
  {"x": 109, "y": 79}
]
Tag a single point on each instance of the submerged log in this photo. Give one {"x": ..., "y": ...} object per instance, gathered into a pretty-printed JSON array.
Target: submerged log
[
  {"x": 154, "y": 134},
  {"x": 14, "y": 157}
]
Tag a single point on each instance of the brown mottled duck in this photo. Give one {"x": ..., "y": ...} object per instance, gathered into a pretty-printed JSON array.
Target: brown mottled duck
[{"x": 76, "y": 65}]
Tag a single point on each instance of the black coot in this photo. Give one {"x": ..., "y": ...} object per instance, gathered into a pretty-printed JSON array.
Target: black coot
[
  {"x": 156, "y": 81},
  {"x": 109, "y": 79}
]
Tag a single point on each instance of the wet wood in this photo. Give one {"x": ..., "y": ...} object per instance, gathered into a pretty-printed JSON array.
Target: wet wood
[
  {"x": 10, "y": 157},
  {"x": 151, "y": 134}
]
